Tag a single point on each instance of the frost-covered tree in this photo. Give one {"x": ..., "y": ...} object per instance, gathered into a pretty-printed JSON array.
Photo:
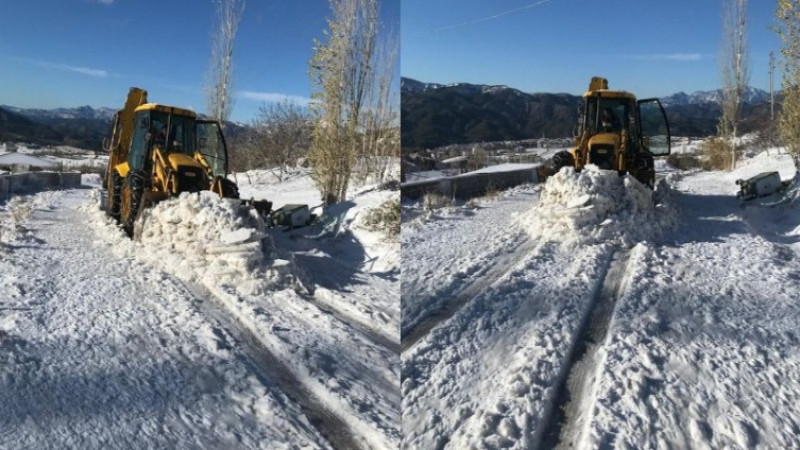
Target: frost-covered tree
[
  {"x": 353, "y": 99},
  {"x": 788, "y": 28},
  {"x": 219, "y": 87},
  {"x": 380, "y": 143},
  {"x": 734, "y": 69}
]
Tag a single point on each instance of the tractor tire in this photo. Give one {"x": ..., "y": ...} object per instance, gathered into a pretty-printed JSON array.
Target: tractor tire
[
  {"x": 113, "y": 193},
  {"x": 229, "y": 189},
  {"x": 644, "y": 170},
  {"x": 132, "y": 200},
  {"x": 562, "y": 159}
]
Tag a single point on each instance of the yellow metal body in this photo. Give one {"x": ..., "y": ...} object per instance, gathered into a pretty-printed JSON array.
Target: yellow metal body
[
  {"x": 166, "y": 109},
  {"x": 612, "y": 137},
  {"x": 614, "y": 142},
  {"x": 161, "y": 166},
  {"x": 122, "y": 130},
  {"x": 164, "y": 166}
]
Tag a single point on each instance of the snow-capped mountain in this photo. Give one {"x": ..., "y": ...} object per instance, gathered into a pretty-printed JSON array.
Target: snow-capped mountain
[
  {"x": 441, "y": 114},
  {"x": 80, "y": 112},
  {"x": 411, "y": 85},
  {"x": 751, "y": 96}
]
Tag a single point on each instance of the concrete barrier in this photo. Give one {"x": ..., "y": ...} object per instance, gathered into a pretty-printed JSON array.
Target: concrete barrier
[
  {"x": 474, "y": 184},
  {"x": 32, "y": 182}
]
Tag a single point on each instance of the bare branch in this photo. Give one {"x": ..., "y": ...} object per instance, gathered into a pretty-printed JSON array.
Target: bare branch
[
  {"x": 734, "y": 69},
  {"x": 219, "y": 83}
]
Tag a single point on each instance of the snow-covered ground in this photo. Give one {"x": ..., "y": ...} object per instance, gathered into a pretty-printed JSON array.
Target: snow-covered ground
[
  {"x": 701, "y": 348},
  {"x": 99, "y": 351},
  {"x": 449, "y": 247},
  {"x": 122, "y": 330},
  {"x": 67, "y": 158}
]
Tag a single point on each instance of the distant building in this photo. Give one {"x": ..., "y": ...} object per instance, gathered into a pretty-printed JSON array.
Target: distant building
[
  {"x": 456, "y": 164},
  {"x": 9, "y": 147},
  {"x": 21, "y": 162}
]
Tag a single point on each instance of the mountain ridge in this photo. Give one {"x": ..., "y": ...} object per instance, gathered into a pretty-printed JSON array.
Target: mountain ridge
[{"x": 434, "y": 115}]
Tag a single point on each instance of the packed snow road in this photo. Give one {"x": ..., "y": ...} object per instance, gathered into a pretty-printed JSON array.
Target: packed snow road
[
  {"x": 699, "y": 348},
  {"x": 103, "y": 352},
  {"x": 704, "y": 350},
  {"x": 169, "y": 341}
]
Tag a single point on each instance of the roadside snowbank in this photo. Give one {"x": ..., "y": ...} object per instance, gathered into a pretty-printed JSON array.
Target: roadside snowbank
[{"x": 598, "y": 206}]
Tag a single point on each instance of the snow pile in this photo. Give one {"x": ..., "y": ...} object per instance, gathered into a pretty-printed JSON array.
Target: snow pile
[
  {"x": 202, "y": 238},
  {"x": 594, "y": 206},
  {"x": 16, "y": 211}
]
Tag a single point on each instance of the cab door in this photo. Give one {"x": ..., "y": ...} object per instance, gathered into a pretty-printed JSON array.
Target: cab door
[
  {"x": 211, "y": 145},
  {"x": 653, "y": 127},
  {"x": 138, "y": 155}
]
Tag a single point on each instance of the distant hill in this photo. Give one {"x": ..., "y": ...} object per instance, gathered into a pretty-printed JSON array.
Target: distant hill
[
  {"x": 81, "y": 112},
  {"x": 82, "y": 127},
  {"x": 16, "y": 127},
  {"x": 752, "y": 96},
  {"x": 435, "y": 115}
]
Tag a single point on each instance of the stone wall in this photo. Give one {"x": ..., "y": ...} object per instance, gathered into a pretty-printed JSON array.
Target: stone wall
[
  {"x": 470, "y": 185},
  {"x": 32, "y": 182}
]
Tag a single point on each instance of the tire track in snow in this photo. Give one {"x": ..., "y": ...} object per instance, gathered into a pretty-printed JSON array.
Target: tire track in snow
[
  {"x": 472, "y": 290},
  {"x": 572, "y": 404},
  {"x": 365, "y": 330},
  {"x": 262, "y": 362}
]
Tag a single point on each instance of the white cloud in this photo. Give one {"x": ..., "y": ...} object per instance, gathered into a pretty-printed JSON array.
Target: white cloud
[
  {"x": 105, "y": 2},
  {"x": 82, "y": 70},
  {"x": 272, "y": 97}
]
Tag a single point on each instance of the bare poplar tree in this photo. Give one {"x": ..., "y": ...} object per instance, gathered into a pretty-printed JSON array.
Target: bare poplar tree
[
  {"x": 281, "y": 135},
  {"x": 788, "y": 28},
  {"x": 342, "y": 75},
  {"x": 380, "y": 146},
  {"x": 734, "y": 69},
  {"x": 219, "y": 83}
]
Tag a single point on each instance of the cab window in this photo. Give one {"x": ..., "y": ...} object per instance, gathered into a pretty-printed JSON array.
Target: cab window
[
  {"x": 137, "y": 155},
  {"x": 211, "y": 145},
  {"x": 607, "y": 115},
  {"x": 179, "y": 139}
]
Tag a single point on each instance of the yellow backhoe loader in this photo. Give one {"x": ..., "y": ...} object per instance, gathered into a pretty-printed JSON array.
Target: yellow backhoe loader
[
  {"x": 617, "y": 132},
  {"x": 158, "y": 151}
]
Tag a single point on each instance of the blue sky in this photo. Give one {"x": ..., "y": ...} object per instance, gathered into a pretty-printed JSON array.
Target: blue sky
[
  {"x": 649, "y": 47},
  {"x": 65, "y": 53}
]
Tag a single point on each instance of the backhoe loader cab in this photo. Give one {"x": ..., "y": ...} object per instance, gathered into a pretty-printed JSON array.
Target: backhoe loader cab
[
  {"x": 617, "y": 132},
  {"x": 158, "y": 151},
  {"x": 183, "y": 153}
]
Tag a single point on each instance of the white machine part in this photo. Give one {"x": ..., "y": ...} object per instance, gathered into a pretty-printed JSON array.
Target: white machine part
[
  {"x": 761, "y": 185},
  {"x": 292, "y": 216}
]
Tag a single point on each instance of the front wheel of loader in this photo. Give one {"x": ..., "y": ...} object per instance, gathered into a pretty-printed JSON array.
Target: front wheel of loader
[
  {"x": 229, "y": 189},
  {"x": 113, "y": 194},
  {"x": 644, "y": 170},
  {"x": 562, "y": 159},
  {"x": 132, "y": 200}
]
